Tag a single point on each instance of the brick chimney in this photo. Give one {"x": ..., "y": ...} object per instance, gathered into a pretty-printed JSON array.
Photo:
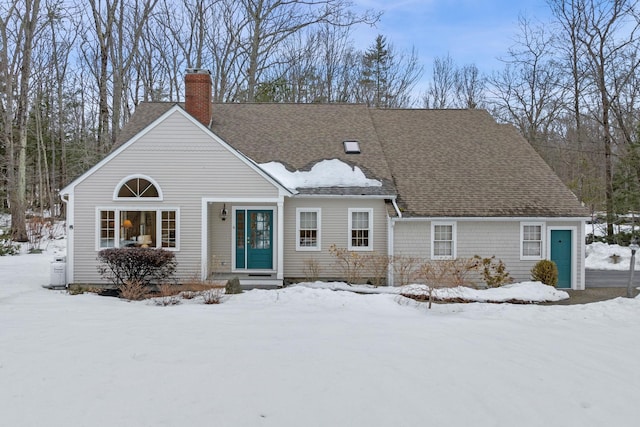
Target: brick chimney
[{"x": 198, "y": 94}]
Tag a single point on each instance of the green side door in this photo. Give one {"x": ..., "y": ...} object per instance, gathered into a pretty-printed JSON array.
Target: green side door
[{"x": 561, "y": 255}]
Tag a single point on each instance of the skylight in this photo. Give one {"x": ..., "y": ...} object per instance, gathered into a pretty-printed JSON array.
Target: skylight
[{"x": 351, "y": 147}]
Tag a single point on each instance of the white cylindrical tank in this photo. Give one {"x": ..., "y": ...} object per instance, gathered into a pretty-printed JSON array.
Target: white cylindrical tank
[{"x": 58, "y": 272}]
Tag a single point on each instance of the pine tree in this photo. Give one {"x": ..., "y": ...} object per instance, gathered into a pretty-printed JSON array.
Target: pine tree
[{"x": 374, "y": 81}]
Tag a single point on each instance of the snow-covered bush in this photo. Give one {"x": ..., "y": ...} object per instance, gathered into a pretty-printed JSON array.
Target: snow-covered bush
[
  {"x": 447, "y": 273},
  {"x": 213, "y": 295},
  {"x": 8, "y": 247}
]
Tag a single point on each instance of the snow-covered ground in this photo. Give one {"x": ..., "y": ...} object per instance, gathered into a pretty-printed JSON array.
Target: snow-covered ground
[{"x": 304, "y": 356}]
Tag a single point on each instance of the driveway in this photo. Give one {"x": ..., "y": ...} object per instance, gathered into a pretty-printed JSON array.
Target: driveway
[
  {"x": 601, "y": 285},
  {"x": 609, "y": 279}
]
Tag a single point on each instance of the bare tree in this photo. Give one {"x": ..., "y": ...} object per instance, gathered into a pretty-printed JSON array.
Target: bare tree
[
  {"x": 442, "y": 88},
  {"x": 272, "y": 21},
  {"x": 608, "y": 35},
  {"x": 18, "y": 31},
  {"x": 529, "y": 91},
  {"x": 470, "y": 87},
  {"x": 117, "y": 28}
]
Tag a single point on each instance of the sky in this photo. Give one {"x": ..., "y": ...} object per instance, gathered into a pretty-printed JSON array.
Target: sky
[{"x": 470, "y": 31}]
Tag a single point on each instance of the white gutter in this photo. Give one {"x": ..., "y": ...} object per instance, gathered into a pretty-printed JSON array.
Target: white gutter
[{"x": 395, "y": 206}]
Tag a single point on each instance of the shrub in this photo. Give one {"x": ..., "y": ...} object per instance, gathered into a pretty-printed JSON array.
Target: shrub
[
  {"x": 379, "y": 267},
  {"x": 405, "y": 269},
  {"x": 447, "y": 273},
  {"x": 142, "y": 265},
  {"x": 233, "y": 286},
  {"x": 133, "y": 290},
  {"x": 311, "y": 269},
  {"x": 79, "y": 290},
  {"x": 211, "y": 292},
  {"x": 38, "y": 230},
  {"x": 351, "y": 263},
  {"x": 7, "y": 247},
  {"x": 213, "y": 295},
  {"x": 494, "y": 272},
  {"x": 168, "y": 295},
  {"x": 545, "y": 271}
]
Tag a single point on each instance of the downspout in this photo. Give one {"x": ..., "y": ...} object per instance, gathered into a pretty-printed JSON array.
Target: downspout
[
  {"x": 390, "y": 241},
  {"x": 395, "y": 206},
  {"x": 70, "y": 239}
]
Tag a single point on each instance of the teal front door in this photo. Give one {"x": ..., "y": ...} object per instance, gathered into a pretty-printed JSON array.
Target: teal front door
[
  {"x": 254, "y": 239},
  {"x": 561, "y": 255}
]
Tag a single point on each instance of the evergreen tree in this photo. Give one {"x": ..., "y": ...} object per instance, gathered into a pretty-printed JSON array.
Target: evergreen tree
[{"x": 375, "y": 69}]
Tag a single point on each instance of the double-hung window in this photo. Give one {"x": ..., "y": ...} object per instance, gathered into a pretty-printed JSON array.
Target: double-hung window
[
  {"x": 360, "y": 229},
  {"x": 443, "y": 240},
  {"x": 308, "y": 229},
  {"x": 531, "y": 241}
]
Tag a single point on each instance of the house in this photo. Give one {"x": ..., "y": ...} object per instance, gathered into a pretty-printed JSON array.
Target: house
[{"x": 212, "y": 182}]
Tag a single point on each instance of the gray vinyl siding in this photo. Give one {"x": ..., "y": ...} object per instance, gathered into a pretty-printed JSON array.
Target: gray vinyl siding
[
  {"x": 334, "y": 230},
  {"x": 187, "y": 165},
  {"x": 485, "y": 238}
]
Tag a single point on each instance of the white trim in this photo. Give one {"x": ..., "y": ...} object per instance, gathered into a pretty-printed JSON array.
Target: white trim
[
  {"x": 350, "y": 247},
  {"x": 345, "y": 196},
  {"x": 493, "y": 219},
  {"x": 204, "y": 249},
  {"x": 282, "y": 190},
  {"x": 390, "y": 250},
  {"x": 574, "y": 253},
  {"x": 318, "y": 246},
  {"x": 119, "y": 208},
  {"x": 242, "y": 199},
  {"x": 454, "y": 240},
  {"x": 540, "y": 224},
  {"x": 280, "y": 242},
  {"x": 204, "y": 239},
  {"x": 137, "y": 199}
]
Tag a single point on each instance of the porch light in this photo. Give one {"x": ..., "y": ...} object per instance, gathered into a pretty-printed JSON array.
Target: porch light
[{"x": 223, "y": 212}]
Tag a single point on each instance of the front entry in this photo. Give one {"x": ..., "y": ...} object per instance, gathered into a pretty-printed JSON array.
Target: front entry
[
  {"x": 561, "y": 255},
  {"x": 254, "y": 239}
]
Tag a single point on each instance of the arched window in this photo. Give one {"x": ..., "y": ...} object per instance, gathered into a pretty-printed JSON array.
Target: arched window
[{"x": 138, "y": 187}]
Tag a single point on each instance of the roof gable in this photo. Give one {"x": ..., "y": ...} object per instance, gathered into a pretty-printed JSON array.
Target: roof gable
[{"x": 142, "y": 124}]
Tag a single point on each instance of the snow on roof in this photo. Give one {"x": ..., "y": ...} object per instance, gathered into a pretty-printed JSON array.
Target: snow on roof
[{"x": 327, "y": 173}]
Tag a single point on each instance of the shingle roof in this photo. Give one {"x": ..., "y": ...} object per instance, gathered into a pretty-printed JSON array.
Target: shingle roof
[
  {"x": 144, "y": 115},
  {"x": 453, "y": 163},
  {"x": 462, "y": 163},
  {"x": 301, "y": 135}
]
